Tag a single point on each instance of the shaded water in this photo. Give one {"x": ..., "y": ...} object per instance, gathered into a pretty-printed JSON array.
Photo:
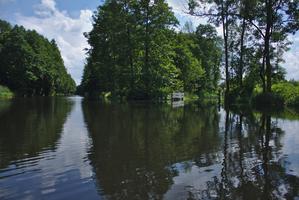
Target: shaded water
[{"x": 68, "y": 148}]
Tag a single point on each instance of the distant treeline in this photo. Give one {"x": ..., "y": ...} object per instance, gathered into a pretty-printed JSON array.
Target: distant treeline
[
  {"x": 30, "y": 64},
  {"x": 137, "y": 52}
]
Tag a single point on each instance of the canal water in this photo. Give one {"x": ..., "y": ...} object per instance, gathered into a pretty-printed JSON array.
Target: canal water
[{"x": 71, "y": 148}]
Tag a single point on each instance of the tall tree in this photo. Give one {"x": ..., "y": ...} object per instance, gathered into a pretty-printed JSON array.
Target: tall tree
[
  {"x": 271, "y": 20},
  {"x": 131, "y": 59},
  {"x": 142, "y": 56},
  {"x": 218, "y": 13},
  {"x": 207, "y": 49}
]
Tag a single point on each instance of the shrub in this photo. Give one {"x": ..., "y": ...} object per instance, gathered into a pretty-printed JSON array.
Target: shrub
[
  {"x": 268, "y": 100},
  {"x": 289, "y": 92},
  {"x": 5, "y": 92}
]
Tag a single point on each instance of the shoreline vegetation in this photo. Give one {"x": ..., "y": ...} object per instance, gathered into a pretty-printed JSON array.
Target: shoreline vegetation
[
  {"x": 144, "y": 57},
  {"x": 147, "y": 55},
  {"x": 31, "y": 65}
]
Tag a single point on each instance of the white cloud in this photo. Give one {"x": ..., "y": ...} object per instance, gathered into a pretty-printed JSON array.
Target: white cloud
[
  {"x": 67, "y": 31},
  {"x": 292, "y": 59}
]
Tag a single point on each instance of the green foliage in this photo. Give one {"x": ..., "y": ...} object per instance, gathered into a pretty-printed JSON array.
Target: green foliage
[
  {"x": 30, "y": 64},
  {"x": 288, "y": 91},
  {"x": 191, "y": 71},
  {"x": 255, "y": 37},
  {"x": 142, "y": 56},
  {"x": 208, "y": 51},
  {"x": 5, "y": 92},
  {"x": 283, "y": 93}
]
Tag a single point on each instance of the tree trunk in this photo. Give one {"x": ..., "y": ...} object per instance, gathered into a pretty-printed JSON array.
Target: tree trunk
[
  {"x": 132, "y": 78},
  {"x": 146, "y": 59},
  {"x": 267, "y": 46},
  {"x": 262, "y": 74},
  {"x": 225, "y": 37},
  {"x": 242, "y": 54}
]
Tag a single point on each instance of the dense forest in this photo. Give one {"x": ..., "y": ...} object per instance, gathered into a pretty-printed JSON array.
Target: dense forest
[
  {"x": 30, "y": 64},
  {"x": 145, "y": 54},
  {"x": 137, "y": 53}
]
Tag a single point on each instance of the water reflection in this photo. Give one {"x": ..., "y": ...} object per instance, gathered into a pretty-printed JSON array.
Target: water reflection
[
  {"x": 29, "y": 126},
  {"x": 157, "y": 152},
  {"x": 253, "y": 165},
  {"x": 65, "y": 148},
  {"x": 4, "y": 105},
  {"x": 44, "y": 151},
  {"x": 134, "y": 146}
]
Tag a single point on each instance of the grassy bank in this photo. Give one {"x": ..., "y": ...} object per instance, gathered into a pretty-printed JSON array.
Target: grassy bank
[{"x": 5, "y": 93}]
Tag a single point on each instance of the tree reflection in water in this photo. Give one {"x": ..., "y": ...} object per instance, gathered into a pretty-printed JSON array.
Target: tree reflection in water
[
  {"x": 134, "y": 146},
  {"x": 29, "y": 126},
  {"x": 156, "y": 152},
  {"x": 252, "y": 167}
]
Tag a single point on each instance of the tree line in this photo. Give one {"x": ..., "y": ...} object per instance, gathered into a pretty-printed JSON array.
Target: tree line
[
  {"x": 30, "y": 64},
  {"x": 255, "y": 34},
  {"x": 137, "y": 52}
]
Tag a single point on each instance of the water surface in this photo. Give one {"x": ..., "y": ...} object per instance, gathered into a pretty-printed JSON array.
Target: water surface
[{"x": 70, "y": 148}]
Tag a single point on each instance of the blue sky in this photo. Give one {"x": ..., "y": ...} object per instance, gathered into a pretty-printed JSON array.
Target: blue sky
[
  {"x": 66, "y": 20},
  {"x": 26, "y": 7}
]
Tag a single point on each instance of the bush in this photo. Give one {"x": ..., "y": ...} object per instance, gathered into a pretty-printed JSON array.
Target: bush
[
  {"x": 268, "y": 100},
  {"x": 283, "y": 94},
  {"x": 289, "y": 92},
  {"x": 5, "y": 92}
]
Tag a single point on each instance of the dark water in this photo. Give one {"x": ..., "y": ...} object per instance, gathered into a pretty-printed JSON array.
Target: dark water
[{"x": 67, "y": 148}]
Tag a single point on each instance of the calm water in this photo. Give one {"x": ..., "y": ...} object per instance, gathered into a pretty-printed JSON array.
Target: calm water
[{"x": 68, "y": 148}]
